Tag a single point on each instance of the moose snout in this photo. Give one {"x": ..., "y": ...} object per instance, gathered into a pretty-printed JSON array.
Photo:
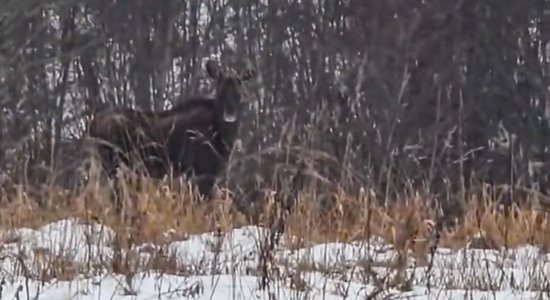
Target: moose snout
[{"x": 230, "y": 113}]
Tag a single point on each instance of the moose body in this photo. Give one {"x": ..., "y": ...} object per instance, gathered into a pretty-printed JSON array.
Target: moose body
[{"x": 194, "y": 138}]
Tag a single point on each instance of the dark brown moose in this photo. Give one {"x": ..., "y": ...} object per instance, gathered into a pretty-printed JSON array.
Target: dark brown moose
[{"x": 194, "y": 138}]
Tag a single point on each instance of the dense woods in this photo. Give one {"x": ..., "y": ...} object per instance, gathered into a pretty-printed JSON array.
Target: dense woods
[{"x": 437, "y": 97}]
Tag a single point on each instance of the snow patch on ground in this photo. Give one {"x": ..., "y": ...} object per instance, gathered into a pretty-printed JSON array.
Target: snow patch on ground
[{"x": 227, "y": 266}]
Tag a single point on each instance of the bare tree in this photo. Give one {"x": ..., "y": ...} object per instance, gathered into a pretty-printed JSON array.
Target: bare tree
[{"x": 435, "y": 96}]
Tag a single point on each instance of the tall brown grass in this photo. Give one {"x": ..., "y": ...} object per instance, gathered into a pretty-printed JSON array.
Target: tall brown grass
[{"x": 152, "y": 207}]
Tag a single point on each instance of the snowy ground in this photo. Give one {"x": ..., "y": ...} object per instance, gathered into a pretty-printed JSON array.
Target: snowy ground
[{"x": 208, "y": 266}]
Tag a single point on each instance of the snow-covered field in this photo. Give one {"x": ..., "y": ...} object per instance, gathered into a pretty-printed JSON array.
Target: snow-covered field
[{"x": 227, "y": 266}]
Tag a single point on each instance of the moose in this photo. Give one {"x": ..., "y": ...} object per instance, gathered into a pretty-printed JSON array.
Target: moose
[{"x": 193, "y": 138}]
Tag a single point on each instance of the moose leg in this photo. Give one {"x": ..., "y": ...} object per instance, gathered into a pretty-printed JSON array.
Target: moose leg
[
  {"x": 111, "y": 169},
  {"x": 117, "y": 193},
  {"x": 107, "y": 167},
  {"x": 204, "y": 184}
]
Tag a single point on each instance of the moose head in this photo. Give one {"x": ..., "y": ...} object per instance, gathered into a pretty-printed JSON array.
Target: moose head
[{"x": 228, "y": 90}]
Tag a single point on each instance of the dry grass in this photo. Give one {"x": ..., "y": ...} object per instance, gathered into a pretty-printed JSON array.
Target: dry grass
[{"x": 152, "y": 208}]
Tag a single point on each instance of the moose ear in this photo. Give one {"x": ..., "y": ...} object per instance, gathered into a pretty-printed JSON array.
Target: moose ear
[
  {"x": 213, "y": 70},
  {"x": 248, "y": 74}
]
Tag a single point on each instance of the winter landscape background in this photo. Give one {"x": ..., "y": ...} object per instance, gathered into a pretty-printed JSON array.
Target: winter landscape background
[{"x": 409, "y": 137}]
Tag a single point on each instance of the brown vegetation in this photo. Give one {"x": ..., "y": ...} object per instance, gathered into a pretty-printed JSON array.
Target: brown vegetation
[{"x": 157, "y": 207}]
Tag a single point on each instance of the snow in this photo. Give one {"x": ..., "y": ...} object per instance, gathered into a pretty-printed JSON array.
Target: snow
[{"x": 227, "y": 266}]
